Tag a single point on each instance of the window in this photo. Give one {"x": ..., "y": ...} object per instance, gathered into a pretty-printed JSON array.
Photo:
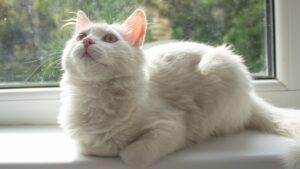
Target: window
[
  {"x": 32, "y": 36},
  {"x": 27, "y": 25}
]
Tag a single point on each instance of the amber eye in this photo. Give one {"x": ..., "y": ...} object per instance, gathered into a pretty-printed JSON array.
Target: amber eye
[
  {"x": 81, "y": 36},
  {"x": 110, "y": 38}
]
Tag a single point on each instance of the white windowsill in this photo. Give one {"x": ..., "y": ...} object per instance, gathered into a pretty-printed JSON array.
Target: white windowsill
[{"x": 48, "y": 147}]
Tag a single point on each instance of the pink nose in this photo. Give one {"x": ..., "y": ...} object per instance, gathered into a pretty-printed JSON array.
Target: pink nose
[{"x": 87, "y": 42}]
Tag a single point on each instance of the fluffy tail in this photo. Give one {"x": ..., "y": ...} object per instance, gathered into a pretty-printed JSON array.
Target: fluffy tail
[{"x": 268, "y": 118}]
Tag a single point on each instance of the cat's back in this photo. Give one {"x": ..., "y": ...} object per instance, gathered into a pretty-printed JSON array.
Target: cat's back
[
  {"x": 190, "y": 73},
  {"x": 181, "y": 63},
  {"x": 174, "y": 63},
  {"x": 174, "y": 53}
]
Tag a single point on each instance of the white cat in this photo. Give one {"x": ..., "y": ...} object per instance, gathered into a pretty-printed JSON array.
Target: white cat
[{"x": 118, "y": 100}]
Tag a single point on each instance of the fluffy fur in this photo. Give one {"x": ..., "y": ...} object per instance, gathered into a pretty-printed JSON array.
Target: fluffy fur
[{"x": 118, "y": 100}]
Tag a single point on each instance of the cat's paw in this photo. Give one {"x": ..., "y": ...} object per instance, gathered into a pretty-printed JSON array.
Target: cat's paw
[
  {"x": 103, "y": 151},
  {"x": 136, "y": 158}
]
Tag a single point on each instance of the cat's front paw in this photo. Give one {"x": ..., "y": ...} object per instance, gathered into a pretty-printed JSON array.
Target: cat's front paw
[
  {"x": 136, "y": 158},
  {"x": 103, "y": 151}
]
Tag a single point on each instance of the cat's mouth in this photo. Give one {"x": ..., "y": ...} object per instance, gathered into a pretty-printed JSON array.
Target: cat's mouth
[{"x": 86, "y": 55}]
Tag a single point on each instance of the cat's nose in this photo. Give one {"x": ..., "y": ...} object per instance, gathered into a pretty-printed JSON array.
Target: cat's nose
[{"x": 87, "y": 42}]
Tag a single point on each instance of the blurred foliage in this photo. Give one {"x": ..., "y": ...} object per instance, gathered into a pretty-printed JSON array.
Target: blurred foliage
[{"x": 32, "y": 37}]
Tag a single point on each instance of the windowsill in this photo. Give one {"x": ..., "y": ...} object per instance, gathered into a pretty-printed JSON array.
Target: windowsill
[{"x": 48, "y": 147}]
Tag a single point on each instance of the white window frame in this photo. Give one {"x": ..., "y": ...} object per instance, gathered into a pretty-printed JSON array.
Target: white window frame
[{"x": 40, "y": 105}]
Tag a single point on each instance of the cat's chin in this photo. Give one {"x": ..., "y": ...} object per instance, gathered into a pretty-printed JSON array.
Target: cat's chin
[
  {"x": 88, "y": 70},
  {"x": 87, "y": 77}
]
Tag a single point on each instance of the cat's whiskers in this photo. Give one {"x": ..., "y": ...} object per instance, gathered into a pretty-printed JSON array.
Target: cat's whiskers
[
  {"x": 45, "y": 62},
  {"x": 69, "y": 22}
]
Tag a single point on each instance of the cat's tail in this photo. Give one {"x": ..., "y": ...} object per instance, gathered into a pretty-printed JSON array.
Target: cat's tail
[{"x": 268, "y": 118}]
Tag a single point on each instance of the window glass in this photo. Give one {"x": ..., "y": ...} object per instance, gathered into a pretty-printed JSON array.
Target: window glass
[{"x": 32, "y": 36}]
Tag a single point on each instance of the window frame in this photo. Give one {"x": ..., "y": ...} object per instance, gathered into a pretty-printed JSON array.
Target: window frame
[
  {"x": 40, "y": 105},
  {"x": 270, "y": 40}
]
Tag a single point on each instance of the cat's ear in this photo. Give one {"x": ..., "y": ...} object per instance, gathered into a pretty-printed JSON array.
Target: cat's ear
[
  {"x": 135, "y": 27},
  {"x": 81, "y": 21}
]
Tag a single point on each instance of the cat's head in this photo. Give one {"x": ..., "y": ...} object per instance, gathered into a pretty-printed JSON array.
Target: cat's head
[{"x": 100, "y": 51}]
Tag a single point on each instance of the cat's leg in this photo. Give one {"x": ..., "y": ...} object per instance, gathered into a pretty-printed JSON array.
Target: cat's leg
[
  {"x": 103, "y": 150},
  {"x": 164, "y": 137}
]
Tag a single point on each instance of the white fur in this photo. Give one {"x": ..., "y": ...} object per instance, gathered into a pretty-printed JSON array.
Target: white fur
[{"x": 142, "y": 105}]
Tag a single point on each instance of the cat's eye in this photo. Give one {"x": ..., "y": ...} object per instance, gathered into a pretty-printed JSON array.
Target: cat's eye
[
  {"x": 110, "y": 38},
  {"x": 81, "y": 36}
]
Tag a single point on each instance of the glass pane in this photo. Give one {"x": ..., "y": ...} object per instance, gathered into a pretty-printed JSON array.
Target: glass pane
[{"x": 32, "y": 36}]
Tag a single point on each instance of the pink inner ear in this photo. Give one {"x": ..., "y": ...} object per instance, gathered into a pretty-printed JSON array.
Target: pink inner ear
[
  {"x": 81, "y": 21},
  {"x": 136, "y": 27}
]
